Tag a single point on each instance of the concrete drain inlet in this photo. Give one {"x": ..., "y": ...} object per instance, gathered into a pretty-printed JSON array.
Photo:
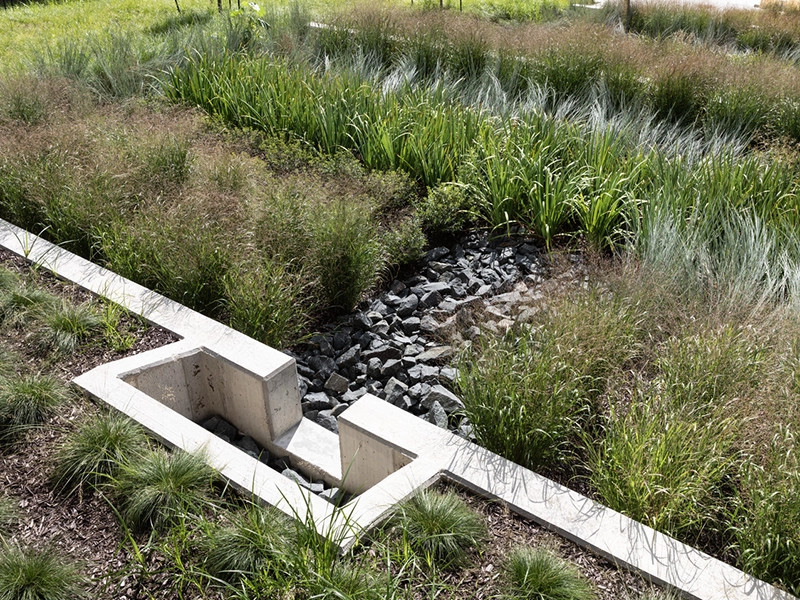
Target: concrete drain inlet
[{"x": 382, "y": 452}]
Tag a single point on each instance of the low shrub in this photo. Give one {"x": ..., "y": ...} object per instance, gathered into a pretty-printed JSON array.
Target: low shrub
[
  {"x": 538, "y": 574},
  {"x": 447, "y": 208}
]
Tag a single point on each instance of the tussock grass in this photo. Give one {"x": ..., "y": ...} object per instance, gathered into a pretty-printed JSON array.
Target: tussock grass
[
  {"x": 538, "y": 574},
  {"x": 156, "y": 489},
  {"x": 254, "y": 540},
  {"x": 439, "y": 528},
  {"x": 27, "y": 401},
  {"x": 66, "y": 325},
  {"x": 28, "y": 574},
  {"x": 91, "y": 457}
]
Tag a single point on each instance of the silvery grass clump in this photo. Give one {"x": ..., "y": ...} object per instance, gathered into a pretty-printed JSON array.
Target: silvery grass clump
[
  {"x": 439, "y": 528},
  {"x": 9, "y": 515},
  {"x": 30, "y": 574},
  {"x": 538, "y": 574},
  {"x": 27, "y": 401},
  {"x": 93, "y": 454},
  {"x": 157, "y": 489}
]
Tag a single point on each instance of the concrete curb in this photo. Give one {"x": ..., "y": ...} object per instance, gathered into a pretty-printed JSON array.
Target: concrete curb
[{"x": 381, "y": 451}]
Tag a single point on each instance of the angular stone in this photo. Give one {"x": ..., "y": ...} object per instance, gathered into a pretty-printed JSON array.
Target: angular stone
[
  {"x": 440, "y": 267},
  {"x": 413, "y": 350},
  {"x": 374, "y": 367},
  {"x": 332, "y": 495},
  {"x": 302, "y": 386},
  {"x": 383, "y": 353},
  {"x": 249, "y": 445},
  {"x": 391, "y": 368},
  {"x": 362, "y": 321},
  {"x": 301, "y": 481},
  {"x": 438, "y": 286},
  {"x": 394, "y": 390},
  {"x": 225, "y": 429},
  {"x": 448, "y": 374},
  {"x": 337, "y": 383},
  {"x": 339, "y": 409},
  {"x": 381, "y": 328},
  {"x": 437, "y": 415},
  {"x": 404, "y": 402},
  {"x": 323, "y": 365},
  {"x": 317, "y": 401},
  {"x": 397, "y": 287},
  {"x": 431, "y": 299},
  {"x": 447, "y": 399},
  {"x": 328, "y": 421},
  {"x": 306, "y": 371},
  {"x": 408, "y": 305},
  {"x": 428, "y": 324},
  {"x": 418, "y": 391},
  {"x": 349, "y": 358},
  {"x": 423, "y": 373},
  {"x": 351, "y": 396},
  {"x": 341, "y": 340},
  {"x": 436, "y": 253},
  {"x": 434, "y": 354}
]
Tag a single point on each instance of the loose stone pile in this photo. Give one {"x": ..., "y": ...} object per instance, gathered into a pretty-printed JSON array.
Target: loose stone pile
[{"x": 391, "y": 348}]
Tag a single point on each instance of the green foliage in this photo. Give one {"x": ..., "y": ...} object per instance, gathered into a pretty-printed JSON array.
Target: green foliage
[
  {"x": 666, "y": 466},
  {"x": 527, "y": 392},
  {"x": 446, "y": 209},
  {"x": 347, "y": 254},
  {"x": 157, "y": 489},
  {"x": 66, "y": 325},
  {"x": 28, "y": 574},
  {"x": 255, "y": 540},
  {"x": 268, "y": 302},
  {"x": 439, "y": 528},
  {"x": 767, "y": 525},
  {"x": 404, "y": 243},
  {"x": 92, "y": 455},
  {"x": 538, "y": 574},
  {"x": 27, "y": 401}
]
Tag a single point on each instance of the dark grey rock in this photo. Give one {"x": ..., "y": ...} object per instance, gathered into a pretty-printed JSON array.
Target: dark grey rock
[
  {"x": 362, "y": 321},
  {"x": 225, "y": 429},
  {"x": 448, "y": 374},
  {"x": 410, "y": 325},
  {"x": 339, "y": 409},
  {"x": 337, "y": 383},
  {"x": 391, "y": 368},
  {"x": 211, "y": 424},
  {"x": 447, "y": 399},
  {"x": 437, "y": 415},
  {"x": 440, "y": 267},
  {"x": 249, "y": 445},
  {"x": 302, "y": 386},
  {"x": 418, "y": 391},
  {"x": 428, "y": 324},
  {"x": 438, "y": 286},
  {"x": 328, "y": 421},
  {"x": 436, "y": 253},
  {"x": 374, "y": 367},
  {"x": 407, "y": 306},
  {"x": 341, "y": 340},
  {"x": 413, "y": 350},
  {"x": 316, "y": 401},
  {"x": 394, "y": 390},
  {"x": 383, "y": 353},
  {"x": 381, "y": 328},
  {"x": 436, "y": 354},
  {"x": 404, "y": 402},
  {"x": 301, "y": 481},
  {"x": 423, "y": 373},
  {"x": 323, "y": 365},
  {"x": 306, "y": 371},
  {"x": 408, "y": 362},
  {"x": 431, "y": 299},
  {"x": 349, "y": 358},
  {"x": 398, "y": 288}
]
